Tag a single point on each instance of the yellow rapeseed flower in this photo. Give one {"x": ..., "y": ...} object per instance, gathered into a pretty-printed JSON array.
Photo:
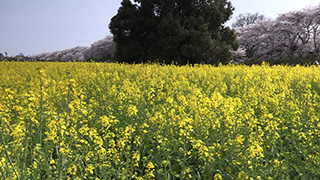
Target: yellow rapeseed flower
[{"x": 217, "y": 177}]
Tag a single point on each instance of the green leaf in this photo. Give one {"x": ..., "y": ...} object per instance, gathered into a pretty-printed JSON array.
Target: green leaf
[{"x": 296, "y": 168}]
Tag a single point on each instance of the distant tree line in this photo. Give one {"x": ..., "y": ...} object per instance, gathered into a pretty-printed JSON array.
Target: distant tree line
[
  {"x": 20, "y": 57},
  {"x": 102, "y": 50},
  {"x": 194, "y": 31},
  {"x": 293, "y": 37}
]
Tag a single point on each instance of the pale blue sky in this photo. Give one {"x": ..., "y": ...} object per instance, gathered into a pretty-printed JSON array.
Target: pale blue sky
[{"x": 36, "y": 26}]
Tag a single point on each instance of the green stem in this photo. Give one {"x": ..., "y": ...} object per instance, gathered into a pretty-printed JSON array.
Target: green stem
[{"x": 6, "y": 150}]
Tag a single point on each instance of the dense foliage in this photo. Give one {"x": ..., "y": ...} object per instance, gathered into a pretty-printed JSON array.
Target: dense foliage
[
  {"x": 188, "y": 31},
  {"x": 117, "y": 121}
]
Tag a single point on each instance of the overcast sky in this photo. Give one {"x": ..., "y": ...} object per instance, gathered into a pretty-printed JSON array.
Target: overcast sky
[{"x": 35, "y": 26}]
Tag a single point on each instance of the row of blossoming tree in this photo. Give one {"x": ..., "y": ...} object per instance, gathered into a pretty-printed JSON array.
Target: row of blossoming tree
[
  {"x": 291, "y": 36},
  {"x": 101, "y": 50}
]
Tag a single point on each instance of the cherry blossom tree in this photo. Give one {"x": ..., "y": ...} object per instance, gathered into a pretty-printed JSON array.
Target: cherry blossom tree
[
  {"x": 291, "y": 35},
  {"x": 101, "y": 50},
  {"x": 243, "y": 20}
]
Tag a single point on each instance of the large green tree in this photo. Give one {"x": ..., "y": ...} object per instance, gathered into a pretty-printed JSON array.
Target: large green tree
[{"x": 184, "y": 31}]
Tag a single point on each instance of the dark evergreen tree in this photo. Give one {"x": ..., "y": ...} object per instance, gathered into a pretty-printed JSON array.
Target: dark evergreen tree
[{"x": 184, "y": 31}]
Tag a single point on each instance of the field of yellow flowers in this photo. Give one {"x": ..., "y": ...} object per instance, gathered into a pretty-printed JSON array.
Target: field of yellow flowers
[{"x": 152, "y": 121}]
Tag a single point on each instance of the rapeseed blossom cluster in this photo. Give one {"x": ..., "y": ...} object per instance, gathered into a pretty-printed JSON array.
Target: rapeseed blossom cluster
[{"x": 152, "y": 121}]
